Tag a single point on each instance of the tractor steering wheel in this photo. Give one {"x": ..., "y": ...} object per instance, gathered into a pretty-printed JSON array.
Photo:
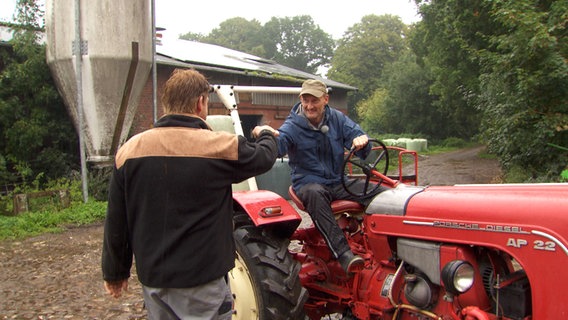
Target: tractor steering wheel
[{"x": 373, "y": 169}]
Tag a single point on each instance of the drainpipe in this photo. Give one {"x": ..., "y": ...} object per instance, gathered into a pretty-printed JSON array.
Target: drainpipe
[
  {"x": 154, "y": 71},
  {"x": 77, "y": 48}
]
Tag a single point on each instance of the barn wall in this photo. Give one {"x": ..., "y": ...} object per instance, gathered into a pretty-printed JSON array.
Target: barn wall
[{"x": 272, "y": 109}]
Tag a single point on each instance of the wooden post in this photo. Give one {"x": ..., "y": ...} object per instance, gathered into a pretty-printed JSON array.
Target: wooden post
[
  {"x": 20, "y": 203},
  {"x": 21, "y": 200}
]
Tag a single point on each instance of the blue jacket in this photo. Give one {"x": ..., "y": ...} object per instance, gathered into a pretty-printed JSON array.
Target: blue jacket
[{"x": 316, "y": 156}]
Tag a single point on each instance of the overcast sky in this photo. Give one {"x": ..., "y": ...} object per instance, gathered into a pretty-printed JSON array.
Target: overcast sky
[{"x": 333, "y": 17}]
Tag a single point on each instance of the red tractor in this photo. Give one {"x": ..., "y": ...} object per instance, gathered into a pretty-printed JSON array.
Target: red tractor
[
  {"x": 467, "y": 252},
  {"x": 457, "y": 252}
]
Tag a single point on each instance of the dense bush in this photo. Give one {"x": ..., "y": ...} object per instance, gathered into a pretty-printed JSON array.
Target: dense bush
[{"x": 37, "y": 138}]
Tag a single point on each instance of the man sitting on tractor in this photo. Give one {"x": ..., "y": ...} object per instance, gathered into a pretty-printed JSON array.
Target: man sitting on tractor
[{"x": 315, "y": 137}]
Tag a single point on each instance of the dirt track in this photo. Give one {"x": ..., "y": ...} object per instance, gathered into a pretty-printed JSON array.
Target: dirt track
[
  {"x": 459, "y": 167},
  {"x": 57, "y": 276}
]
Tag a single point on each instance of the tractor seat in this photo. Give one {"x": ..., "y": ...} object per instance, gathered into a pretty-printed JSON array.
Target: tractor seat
[{"x": 337, "y": 206}]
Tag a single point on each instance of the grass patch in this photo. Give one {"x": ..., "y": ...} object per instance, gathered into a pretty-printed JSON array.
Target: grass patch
[
  {"x": 485, "y": 155},
  {"x": 450, "y": 147},
  {"x": 34, "y": 223}
]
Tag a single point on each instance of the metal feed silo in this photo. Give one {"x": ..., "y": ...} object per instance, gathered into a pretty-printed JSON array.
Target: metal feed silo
[{"x": 114, "y": 40}]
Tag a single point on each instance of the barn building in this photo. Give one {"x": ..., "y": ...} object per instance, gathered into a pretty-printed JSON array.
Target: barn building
[{"x": 224, "y": 66}]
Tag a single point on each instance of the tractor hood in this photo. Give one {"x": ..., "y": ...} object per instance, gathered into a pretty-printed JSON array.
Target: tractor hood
[
  {"x": 545, "y": 205},
  {"x": 507, "y": 203},
  {"x": 499, "y": 208}
]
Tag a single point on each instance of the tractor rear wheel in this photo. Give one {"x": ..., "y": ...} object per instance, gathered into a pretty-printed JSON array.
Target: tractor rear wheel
[{"x": 264, "y": 282}]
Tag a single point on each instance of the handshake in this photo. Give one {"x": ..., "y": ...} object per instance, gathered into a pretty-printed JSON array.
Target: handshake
[{"x": 258, "y": 129}]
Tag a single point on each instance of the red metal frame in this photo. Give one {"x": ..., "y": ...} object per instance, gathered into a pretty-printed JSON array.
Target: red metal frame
[{"x": 401, "y": 177}]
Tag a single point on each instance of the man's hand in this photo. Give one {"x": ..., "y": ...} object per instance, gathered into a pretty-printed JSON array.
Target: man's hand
[
  {"x": 258, "y": 129},
  {"x": 115, "y": 288},
  {"x": 360, "y": 142}
]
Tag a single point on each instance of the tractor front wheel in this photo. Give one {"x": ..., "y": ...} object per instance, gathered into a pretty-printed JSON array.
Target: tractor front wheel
[{"x": 265, "y": 282}]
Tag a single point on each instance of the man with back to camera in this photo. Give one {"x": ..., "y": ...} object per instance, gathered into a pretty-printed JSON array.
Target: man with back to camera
[
  {"x": 170, "y": 205},
  {"x": 315, "y": 137}
]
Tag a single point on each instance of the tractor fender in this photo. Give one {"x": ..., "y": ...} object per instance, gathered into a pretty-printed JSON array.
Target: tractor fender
[{"x": 268, "y": 208}]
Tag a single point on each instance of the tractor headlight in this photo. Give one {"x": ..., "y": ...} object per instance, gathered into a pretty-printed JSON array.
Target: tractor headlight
[{"x": 457, "y": 276}]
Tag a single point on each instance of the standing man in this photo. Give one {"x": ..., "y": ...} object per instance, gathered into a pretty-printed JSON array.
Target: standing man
[
  {"x": 170, "y": 206},
  {"x": 315, "y": 137}
]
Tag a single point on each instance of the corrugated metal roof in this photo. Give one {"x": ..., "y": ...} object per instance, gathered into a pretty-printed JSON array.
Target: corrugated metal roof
[{"x": 184, "y": 53}]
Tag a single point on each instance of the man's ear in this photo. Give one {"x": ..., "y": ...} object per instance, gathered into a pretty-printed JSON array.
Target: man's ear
[{"x": 199, "y": 105}]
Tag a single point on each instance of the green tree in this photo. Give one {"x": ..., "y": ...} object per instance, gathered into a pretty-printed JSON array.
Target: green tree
[
  {"x": 365, "y": 50},
  {"x": 297, "y": 42},
  {"x": 238, "y": 34},
  {"x": 374, "y": 113},
  {"x": 444, "y": 39},
  {"x": 507, "y": 61},
  {"x": 524, "y": 87},
  {"x": 38, "y": 138},
  {"x": 192, "y": 36},
  {"x": 408, "y": 106}
]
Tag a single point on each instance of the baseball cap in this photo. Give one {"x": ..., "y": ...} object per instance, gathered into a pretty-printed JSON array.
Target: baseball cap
[{"x": 314, "y": 87}]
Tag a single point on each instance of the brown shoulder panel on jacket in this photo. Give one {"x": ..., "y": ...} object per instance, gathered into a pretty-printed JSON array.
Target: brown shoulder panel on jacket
[{"x": 179, "y": 142}]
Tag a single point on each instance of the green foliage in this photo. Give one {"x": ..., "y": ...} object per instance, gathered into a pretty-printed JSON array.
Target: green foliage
[
  {"x": 404, "y": 102},
  {"x": 28, "y": 14},
  {"x": 374, "y": 113},
  {"x": 43, "y": 221},
  {"x": 38, "y": 184},
  {"x": 407, "y": 105},
  {"x": 297, "y": 42},
  {"x": 564, "y": 173},
  {"x": 516, "y": 174},
  {"x": 525, "y": 87},
  {"x": 36, "y": 134},
  {"x": 47, "y": 215},
  {"x": 238, "y": 34},
  {"x": 364, "y": 52},
  {"x": 505, "y": 61},
  {"x": 453, "y": 142},
  {"x": 98, "y": 183},
  {"x": 442, "y": 42},
  {"x": 192, "y": 36},
  {"x": 564, "y": 176}
]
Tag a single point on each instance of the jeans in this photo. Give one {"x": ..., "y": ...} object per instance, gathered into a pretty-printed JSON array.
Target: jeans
[{"x": 317, "y": 199}]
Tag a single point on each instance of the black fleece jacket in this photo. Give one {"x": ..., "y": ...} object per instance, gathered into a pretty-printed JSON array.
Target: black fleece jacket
[{"x": 170, "y": 202}]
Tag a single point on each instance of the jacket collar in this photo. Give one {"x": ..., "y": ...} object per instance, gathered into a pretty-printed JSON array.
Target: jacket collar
[{"x": 181, "y": 120}]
